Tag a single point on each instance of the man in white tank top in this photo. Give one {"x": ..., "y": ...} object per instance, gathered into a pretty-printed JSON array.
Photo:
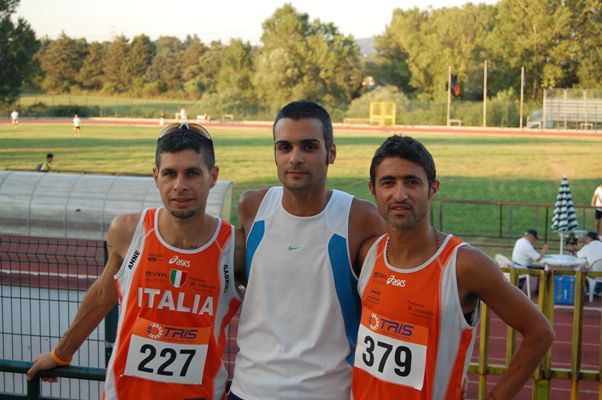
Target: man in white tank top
[
  {"x": 430, "y": 284},
  {"x": 299, "y": 319}
]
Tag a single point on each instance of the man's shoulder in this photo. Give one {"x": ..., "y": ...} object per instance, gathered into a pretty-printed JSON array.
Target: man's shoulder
[
  {"x": 250, "y": 200},
  {"x": 125, "y": 224},
  {"x": 364, "y": 219}
]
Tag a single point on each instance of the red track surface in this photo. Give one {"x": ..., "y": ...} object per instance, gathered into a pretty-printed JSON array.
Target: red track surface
[{"x": 550, "y": 133}]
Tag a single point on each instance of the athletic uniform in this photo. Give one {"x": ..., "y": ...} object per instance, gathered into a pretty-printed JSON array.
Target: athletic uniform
[
  {"x": 299, "y": 318},
  {"x": 413, "y": 341},
  {"x": 175, "y": 307}
]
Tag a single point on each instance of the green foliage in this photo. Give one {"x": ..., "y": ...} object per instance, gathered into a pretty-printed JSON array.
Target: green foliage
[
  {"x": 61, "y": 60},
  {"x": 116, "y": 77},
  {"x": 303, "y": 59},
  {"x": 18, "y": 44},
  {"x": 535, "y": 34},
  {"x": 91, "y": 74},
  {"x": 558, "y": 42}
]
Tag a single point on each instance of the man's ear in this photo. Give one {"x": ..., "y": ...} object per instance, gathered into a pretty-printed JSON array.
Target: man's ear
[
  {"x": 214, "y": 175},
  {"x": 155, "y": 174},
  {"x": 332, "y": 154},
  {"x": 434, "y": 188}
]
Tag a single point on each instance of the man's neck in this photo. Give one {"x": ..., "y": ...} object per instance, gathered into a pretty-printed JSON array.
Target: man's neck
[
  {"x": 411, "y": 248},
  {"x": 189, "y": 233},
  {"x": 305, "y": 204}
]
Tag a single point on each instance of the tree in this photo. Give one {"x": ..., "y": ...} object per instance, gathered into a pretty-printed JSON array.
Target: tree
[
  {"x": 303, "y": 59},
  {"x": 534, "y": 34},
  {"x": 18, "y": 45},
  {"x": 166, "y": 68},
  {"x": 586, "y": 28},
  {"x": 91, "y": 74},
  {"x": 418, "y": 46},
  {"x": 61, "y": 61},
  {"x": 116, "y": 78},
  {"x": 139, "y": 58}
]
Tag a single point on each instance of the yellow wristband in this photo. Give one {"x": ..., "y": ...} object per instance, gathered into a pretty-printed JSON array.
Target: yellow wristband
[{"x": 58, "y": 360}]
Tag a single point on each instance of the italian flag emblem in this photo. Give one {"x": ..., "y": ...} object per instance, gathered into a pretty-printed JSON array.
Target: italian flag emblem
[{"x": 178, "y": 278}]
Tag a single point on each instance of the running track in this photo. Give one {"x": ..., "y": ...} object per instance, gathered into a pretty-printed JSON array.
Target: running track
[{"x": 414, "y": 129}]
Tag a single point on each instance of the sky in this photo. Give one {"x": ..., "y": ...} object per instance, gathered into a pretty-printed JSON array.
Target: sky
[{"x": 209, "y": 20}]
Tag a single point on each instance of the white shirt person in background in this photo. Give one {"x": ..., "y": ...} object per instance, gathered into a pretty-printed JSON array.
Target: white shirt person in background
[
  {"x": 597, "y": 202},
  {"x": 76, "y": 125},
  {"x": 592, "y": 249},
  {"x": 524, "y": 253},
  {"x": 14, "y": 116}
]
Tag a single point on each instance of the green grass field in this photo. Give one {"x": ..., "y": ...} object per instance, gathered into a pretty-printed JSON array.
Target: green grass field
[
  {"x": 501, "y": 168},
  {"x": 97, "y": 105}
]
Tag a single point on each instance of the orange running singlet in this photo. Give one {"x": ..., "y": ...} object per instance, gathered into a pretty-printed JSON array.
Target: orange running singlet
[
  {"x": 175, "y": 307},
  {"x": 413, "y": 342}
]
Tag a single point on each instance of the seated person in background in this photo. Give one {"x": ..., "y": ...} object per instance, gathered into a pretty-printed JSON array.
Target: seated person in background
[
  {"x": 592, "y": 249},
  {"x": 46, "y": 166},
  {"x": 524, "y": 253}
]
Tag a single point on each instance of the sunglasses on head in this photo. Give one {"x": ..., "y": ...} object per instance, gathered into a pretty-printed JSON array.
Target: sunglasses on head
[{"x": 185, "y": 127}]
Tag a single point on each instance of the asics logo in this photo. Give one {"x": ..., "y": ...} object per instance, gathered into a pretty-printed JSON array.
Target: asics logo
[
  {"x": 396, "y": 282},
  {"x": 178, "y": 261},
  {"x": 293, "y": 247}
]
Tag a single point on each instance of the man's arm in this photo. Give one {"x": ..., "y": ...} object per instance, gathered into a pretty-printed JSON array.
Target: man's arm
[
  {"x": 544, "y": 250},
  {"x": 248, "y": 204},
  {"x": 99, "y": 299},
  {"x": 240, "y": 275},
  {"x": 594, "y": 197},
  {"x": 479, "y": 276},
  {"x": 365, "y": 226}
]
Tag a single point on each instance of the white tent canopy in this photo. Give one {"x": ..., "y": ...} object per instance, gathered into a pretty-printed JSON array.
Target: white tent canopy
[{"x": 82, "y": 206}]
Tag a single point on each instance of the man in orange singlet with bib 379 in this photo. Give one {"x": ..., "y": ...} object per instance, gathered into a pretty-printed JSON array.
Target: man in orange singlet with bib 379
[{"x": 420, "y": 292}]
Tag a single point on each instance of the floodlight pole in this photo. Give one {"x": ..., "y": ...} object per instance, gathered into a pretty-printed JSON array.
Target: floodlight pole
[
  {"x": 522, "y": 95},
  {"x": 485, "y": 94},
  {"x": 448, "y": 94}
]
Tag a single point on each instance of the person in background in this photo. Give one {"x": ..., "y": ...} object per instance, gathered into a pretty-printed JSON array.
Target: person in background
[
  {"x": 76, "y": 125},
  {"x": 14, "y": 116},
  {"x": 591, "y": 249},
  {"x": 421, "y": 291},
  {"x": 597, "y": 202},
  {"x": 46, "y": 166},
  {"x": 524, "y": 253},
  {"x": 162, "y": 118}
]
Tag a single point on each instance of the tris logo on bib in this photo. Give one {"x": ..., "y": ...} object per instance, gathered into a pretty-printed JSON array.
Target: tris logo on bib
[
  {"x": 166, "y": 353},
  {"x": 391, "y": 350}
]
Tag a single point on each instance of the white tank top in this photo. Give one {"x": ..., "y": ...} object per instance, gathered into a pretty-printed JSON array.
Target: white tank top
[{"x": 300, "y": 315}]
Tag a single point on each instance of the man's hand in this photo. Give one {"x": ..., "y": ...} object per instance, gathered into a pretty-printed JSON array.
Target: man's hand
[{"x": 41, "y": 363}]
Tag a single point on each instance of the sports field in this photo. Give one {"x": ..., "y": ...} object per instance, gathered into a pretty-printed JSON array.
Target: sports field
[
  {"x": 523, "y": 167},
  {"x": 488, "y": 166}
]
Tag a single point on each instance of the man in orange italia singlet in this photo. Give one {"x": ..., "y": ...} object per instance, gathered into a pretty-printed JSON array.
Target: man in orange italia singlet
[
  {"x": 420, "y": 292},
  {"x": 172, "y": 270}
]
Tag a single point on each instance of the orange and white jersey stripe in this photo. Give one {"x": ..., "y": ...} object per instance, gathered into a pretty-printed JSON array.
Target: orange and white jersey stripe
[
  {"x": 413, "y": 341},
  {"x": 175, "y": 307}
]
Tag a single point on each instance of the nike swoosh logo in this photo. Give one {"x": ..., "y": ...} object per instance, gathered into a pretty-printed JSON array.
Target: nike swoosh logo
[{"x": 293, "y": 247}]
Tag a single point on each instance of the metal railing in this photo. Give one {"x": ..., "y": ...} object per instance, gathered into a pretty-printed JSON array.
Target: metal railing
[{"x": 545, "y": 373}]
